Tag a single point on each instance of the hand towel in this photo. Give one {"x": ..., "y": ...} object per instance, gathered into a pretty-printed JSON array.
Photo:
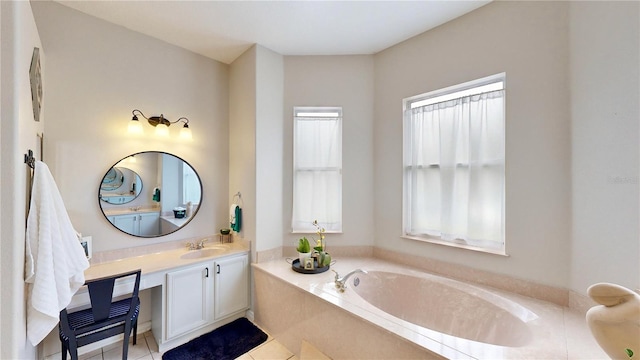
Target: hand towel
[
  {"x": 156, "y": 195},
  {"x": 54, "y": 261},
  {"x": 237, "y": 225},
  {"x": 232, "y": 214}
]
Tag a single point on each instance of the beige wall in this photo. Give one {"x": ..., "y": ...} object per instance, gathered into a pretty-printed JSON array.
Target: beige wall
[
  {"x": 18, "y": 133},
  {"x": 242, "y": 139},
  {"x": 528, "y": 41},
  {"x": 605, "y": 91},
  {"x": 269, "y": 148},
  {"x": 99, "y": 73},
  {"x": 345, "y": 81}
]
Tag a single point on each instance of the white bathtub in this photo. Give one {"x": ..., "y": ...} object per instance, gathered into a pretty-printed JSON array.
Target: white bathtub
[
  {"x": 399, "y": 312},
  {"x": 446, "y": 306}
]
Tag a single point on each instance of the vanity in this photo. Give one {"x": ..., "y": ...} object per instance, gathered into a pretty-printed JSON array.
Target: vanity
[{"x": 192, "y": 291}]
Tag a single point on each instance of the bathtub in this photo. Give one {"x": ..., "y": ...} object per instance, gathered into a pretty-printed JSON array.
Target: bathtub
[
  {"x": 398, "y": 312},
  {"x": 446, "y": 306}
]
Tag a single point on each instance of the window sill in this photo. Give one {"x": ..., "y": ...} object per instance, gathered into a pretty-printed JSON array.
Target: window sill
[{"x": 433, "y": 240}]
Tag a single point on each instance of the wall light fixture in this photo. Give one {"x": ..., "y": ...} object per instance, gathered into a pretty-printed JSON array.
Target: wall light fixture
[{"x": 161, "y": 124}]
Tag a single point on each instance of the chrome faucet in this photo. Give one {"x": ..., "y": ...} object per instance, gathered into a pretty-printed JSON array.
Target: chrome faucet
[
  {"x": 341, "y": 282},
  {"x": 196, "y": 246}
]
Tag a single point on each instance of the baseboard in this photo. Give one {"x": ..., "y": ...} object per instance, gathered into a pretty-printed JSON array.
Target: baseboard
[{"x": 249, "y": 315}]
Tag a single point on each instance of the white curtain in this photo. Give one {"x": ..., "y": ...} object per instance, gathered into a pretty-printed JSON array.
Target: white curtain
[
  {"x": 454, "y": 164},
  {"x": 317, "y": 178}
]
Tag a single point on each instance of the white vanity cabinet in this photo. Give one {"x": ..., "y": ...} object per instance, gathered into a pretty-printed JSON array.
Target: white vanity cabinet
[
  {"x": 139, "y": 224},
  {"x": 198, "y": 296},
  {"x": 127, "y": 223},
  {"x": 189, "y": 296},
  {"x": 119, "y": 199},
  {"x": 149, "y": 224},
  {"x": 231, "y": 286}
]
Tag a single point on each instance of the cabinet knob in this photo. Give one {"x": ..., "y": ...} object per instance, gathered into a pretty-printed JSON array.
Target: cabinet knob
[{"x": 218, "y": 270}]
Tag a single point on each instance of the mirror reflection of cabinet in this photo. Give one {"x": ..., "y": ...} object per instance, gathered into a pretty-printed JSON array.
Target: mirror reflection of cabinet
[
  {"x": 120, "y": 185},
  {"x": 147, "y": 211}
]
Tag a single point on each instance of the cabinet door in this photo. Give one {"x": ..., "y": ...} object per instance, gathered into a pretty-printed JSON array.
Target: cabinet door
[
  {"x": 127, "y": 223},
  {"x": 149, "y": 224},
  {"x": 188, "y": 299},
  {"x": 232, "y": 286}
]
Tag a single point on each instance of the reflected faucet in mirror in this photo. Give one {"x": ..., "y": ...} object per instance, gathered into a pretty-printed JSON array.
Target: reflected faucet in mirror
[{"x": 146, "y": 213}]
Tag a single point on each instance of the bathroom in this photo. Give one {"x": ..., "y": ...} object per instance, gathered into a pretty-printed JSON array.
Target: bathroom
[{"x": 572, "y": 163}]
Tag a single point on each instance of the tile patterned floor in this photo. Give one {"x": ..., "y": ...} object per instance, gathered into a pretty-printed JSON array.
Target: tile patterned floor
[{"x": 147, "y": 349}]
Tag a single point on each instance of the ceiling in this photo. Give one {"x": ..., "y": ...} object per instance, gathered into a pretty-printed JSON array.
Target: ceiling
[{"x": 223, "y": 30}]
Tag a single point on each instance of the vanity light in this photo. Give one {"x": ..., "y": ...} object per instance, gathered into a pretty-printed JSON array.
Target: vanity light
[{"x": 161, "y": 124}]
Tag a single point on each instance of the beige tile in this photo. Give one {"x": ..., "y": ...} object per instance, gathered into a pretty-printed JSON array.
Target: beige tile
[
  {"x": 140, "y": 350},
  {"x": 271, "y": 350},
  {"x": 310, "y": 352},
  {"x": 148, "y": 357},
  {"x": 92, "y": 355},
  {"x": 153, "y": 346},
  {"x": 244, "y": 356}
]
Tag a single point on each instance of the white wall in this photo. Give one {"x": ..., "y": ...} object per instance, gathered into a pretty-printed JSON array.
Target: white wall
[
  {"x": 528, "y": 41},
  {"x": 345, "y": 81},
  {"x": 98, "y": 73},
  {"x": 269, "y": 148},
  {"x": 605, "y": 86},
  {"x": 18, "y": 133}
]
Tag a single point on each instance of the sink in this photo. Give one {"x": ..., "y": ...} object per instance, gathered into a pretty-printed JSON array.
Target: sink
[{"x": 203, "y": 253}]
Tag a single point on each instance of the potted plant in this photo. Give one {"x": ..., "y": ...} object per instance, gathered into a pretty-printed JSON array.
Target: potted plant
[
  {"x": 320, "y": 253},
  {"x": 304, "y": 250}
]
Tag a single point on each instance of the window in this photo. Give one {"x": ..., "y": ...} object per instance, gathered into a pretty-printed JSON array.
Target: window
[
  {"x": 191, "y": 190},
  {"x": 454, "y": 156},
  {"x": 317, "y": 168}
]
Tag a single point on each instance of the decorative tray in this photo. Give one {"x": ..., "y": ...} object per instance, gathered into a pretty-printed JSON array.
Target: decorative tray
[{"x": 295, "y": 265}]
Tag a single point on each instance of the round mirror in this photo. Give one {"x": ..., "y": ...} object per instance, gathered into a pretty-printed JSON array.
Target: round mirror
[
  {"x": 169, "y": 199},
  {"x": 113, "y": 189}
]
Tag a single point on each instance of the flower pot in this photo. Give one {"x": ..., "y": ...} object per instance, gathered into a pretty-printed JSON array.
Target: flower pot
[{"x": 302, "y": 256}]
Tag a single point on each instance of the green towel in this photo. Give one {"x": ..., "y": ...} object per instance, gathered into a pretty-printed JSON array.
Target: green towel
[
  {"x": 237, "y": 225},
  {"x": 156, "y": 195}
]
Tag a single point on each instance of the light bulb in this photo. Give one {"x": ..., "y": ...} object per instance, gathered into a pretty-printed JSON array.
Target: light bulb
[
  {"x": 135, "y": 127},
  {"x": 185, "y": 133},
  {"x": 162, "y": 130}
]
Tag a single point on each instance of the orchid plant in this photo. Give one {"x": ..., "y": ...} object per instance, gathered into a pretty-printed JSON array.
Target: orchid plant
[
  {"x": 320, "y": 244},
  {"x": 324, "y": 259}
]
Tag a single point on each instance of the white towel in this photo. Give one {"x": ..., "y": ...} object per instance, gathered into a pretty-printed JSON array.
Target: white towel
[
  {"x": 232, "y": 214},
  {"x": 54, "y": 258}
]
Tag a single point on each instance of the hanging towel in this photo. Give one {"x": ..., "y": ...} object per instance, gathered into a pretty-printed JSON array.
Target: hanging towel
[
  {"x": 156, "y": 194},
  {"x": 54, "y": 261},
  {"x": 235, "y": 217},
  {"x": 237, "y": 224},
  {"x": 232, "y": 214}
]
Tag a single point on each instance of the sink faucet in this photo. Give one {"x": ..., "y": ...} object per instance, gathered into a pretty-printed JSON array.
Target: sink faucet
[
  {"x": 341, "y": 282},
  {"x": 196, "y": 246}
]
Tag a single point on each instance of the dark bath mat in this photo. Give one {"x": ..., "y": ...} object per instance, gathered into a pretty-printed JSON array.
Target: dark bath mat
[{"x": 226, "y": 342}]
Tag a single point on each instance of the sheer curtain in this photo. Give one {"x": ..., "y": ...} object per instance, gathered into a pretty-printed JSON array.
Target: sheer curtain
[
  {"x": 454, "y": 170},
  {"x": 317, "y": 174}
]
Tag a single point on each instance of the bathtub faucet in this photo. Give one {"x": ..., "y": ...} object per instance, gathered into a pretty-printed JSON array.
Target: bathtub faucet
[{"x": 341, "y": 282}]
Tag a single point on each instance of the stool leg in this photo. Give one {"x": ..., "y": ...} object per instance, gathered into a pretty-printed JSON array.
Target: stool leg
[{"x": 135, "y": 331}]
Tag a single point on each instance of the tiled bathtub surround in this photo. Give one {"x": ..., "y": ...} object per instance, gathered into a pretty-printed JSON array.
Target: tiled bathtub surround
[
  {"x": 498, "y": 281},
  {"x": 344, "y": 325}
]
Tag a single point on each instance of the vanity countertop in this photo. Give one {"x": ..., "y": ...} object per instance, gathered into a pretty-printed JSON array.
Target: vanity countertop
[
  {"x": 127, "y": 210},
  {"x": 164, "y": 260}
]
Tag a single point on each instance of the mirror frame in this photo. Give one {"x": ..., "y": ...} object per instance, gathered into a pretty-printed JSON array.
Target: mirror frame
[{"x": 195, "y": 210}]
